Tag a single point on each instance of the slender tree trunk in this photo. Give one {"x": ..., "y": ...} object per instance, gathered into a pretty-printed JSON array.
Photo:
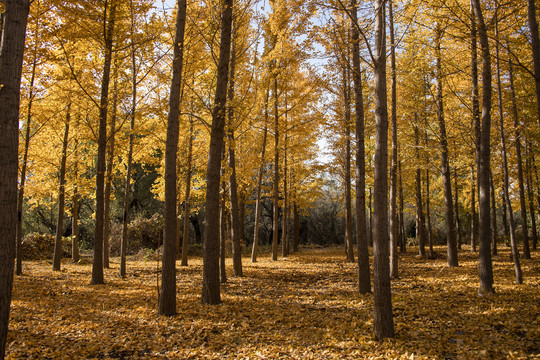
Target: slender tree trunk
[
  {"x": 276, "y": 174},
  {"x": 259, "y": 186},
  {"x": 167, "y": 299},
  {"x": 211, "y": 287},
  {"x": 222, "y": 236},
  {"x": 537, "y": 187},
  {"x": 383, "y": 323},
  {"x": 127, "y": 188},
  {"x": 22, "y": 178},
  {"x": 75, "y": 209},
  {"x": 517, "y": 142},
  {"x": 371, "y": 216},
  {"x": 420, "y": 226},
  {"x": 285, "y": 220},
  {"x": 364, "y": 277},
  {"x": 484, "y": 227},
  {"x": 474, "y": 219},
  {"x": 458, "y": 222},
  {"x": 296, "y": 223},
  {"x": 347, "y": 166},
  {"x": 530, "y": 195},
  {"x": 233, "y": 189},
  {"x": 187, "y": 202},
  {"x": 97, "y": 264},
  {"x": 505, "y": 221},
  {"x": 109, "y": 171},
  {"x": 494, "y": 235},
  {"x": 57, "y": 258},
  {"x": 429, "y": 236},
  {"x": 402, "y": 240},
  {"x": 12, "y": 36},
  {"x": 535, "y": 41},
  {"x": 394, "y": 220},
  {"x": 452, "y": 258}
]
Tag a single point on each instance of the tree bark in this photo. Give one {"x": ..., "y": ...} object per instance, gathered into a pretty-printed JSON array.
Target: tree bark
[
  {"x": 222, "y": 236},
  {"x": 167, "y": 299},
  {"x": 187, "y": 202},
  {"x": 383, "y": 323},
  {"x": 364, "y": 277},
  {"x": 458, "y": 222},
  {"x": 233, "y": 188},
  {"x": 484, "y": 227},
  {"x": 97, "y": 263},
  {"x": 530, "y": 194},
  {"x": 75, "y": 209},
  {"x": 402, "y": 240},
  {"x": 493, "y": 214},
  {"x": 57, "y": 257},
  {"x": 394, "y": 220},
  {"x": 211, "y": 286},
  {"x": 109, "y": 171},
  {"x": 535, "y": 42},
  {"x": 452, "y": 258},
  {"x": 517, "y": 142},
  {"x": 347, "y": 166},
  {"x": 22, "y": 179},
  {"x": 259, "y": 185},
  {"x": 474, "y": 218},
  {"x": 420, "y": 225},
  {"x": 276, "y": 174},
  {"x": 12, "y": 37}
]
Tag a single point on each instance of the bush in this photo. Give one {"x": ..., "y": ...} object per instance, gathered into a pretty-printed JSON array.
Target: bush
[
  {"x": 142, "y": 234},
  {"x": 36, "y": 246}
]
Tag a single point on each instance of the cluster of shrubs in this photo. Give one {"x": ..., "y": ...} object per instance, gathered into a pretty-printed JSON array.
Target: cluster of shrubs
[
  {"x": 142, "y": 234},
  {"x": 37, "y": 246}
]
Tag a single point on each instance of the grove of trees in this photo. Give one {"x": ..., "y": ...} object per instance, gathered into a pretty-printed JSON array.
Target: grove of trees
[{"x": 192, "y": 127}]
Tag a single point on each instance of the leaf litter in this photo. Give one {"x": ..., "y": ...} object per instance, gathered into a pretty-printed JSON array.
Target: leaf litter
[{"x": 304, "y": 307}]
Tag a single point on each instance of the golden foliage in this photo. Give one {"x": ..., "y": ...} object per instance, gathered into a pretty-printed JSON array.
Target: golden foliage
[{"x": 303, "y": 307}]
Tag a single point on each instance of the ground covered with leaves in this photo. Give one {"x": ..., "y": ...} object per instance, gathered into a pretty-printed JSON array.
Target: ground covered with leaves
[{"x": 302, "y": 307}]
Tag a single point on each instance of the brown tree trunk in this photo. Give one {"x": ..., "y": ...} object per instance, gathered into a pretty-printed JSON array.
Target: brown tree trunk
[
  {"x": 22, "y": 178},
  {"x": 222, "y": 235},
  {"x": 517, "y": 142},
  {"x": 275, "y": 227},
  {"x": 535, "y": 42},
  {"x": 458, "y": 222},
  {"x": 530, "y": 194},
  {"x": 233, "y": 188},
  {"x": 493, "y": 214},
  {"x": 428, "y": 215},
  {"x": 75, "y": 209},
  {"x": 109, "y": 171},
  {"x": 285, "y": 219},
  {"x": 394, "y": 221},
  {"x": 420, "y": 225},
  {"x": 57, "y": 257},
  {"x": 452, "y": 258},
  {"x": 371, "y": 216},
  {"x": 167, "y": 299},
  {"x": 187, "y": 202},
  {"x": 364, "y": 277},
  {"x": 127, "y": 188},
  {"x": 474, "y": 218},
  {"x": 12, "y": 36},
  {"x": 402, "y": 240},
  {"x": 97, "y": 264},
  {"x": 484, "y": 227},
  {"x": 296, "y": 224},
  {"x": 347, "y": 166},
  {"x": 211, "y": 287},
  {"x": 383, "y": 323}
]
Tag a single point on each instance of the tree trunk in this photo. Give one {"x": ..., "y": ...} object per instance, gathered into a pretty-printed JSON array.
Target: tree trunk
[
  {"x": 127, "y": 188},
  {"x": 383, "y": 323},
  {"x": 484, "y": 227},
  {"x": 22, "y": 178},
  {"x": 535, "y": 42},
  {"x": 428, "y": 214},
  {"x": 420, "y": 226},
  {"x": 364, "y": 277},
  {"x": 109, "y": 171},
  {"x": 285, "y": 219},
  {"x": 458, "y": 222},
  {"x": 347, "y": 166},
  {"x": 296, "y": 223},
  {"x": 474, "y": 219},
  {"x": 187, "y": 202},
  {"x": 233, "y": 188},
  {"x": 452, "y": 258},
  {"x": 402, "y": 240},
  {"x": 493, "y": 215},
  {"x": 57, "y": 258},
  {"x": 259, "y": 186},
  {"x": 222, "y": 237},
  {"x": 394, "y": 221},
  {"x": 75, "y": 209},
  {"x": 167, "y": 299},
  {"x": 530, "y": 194},
  {"x": 13, "y": 32},
  {"x": 371, "y": 216},
  {"x": 211, "y": 287},
  {"x": 97, "y": 264},
  {"x": 276, "y": 174},
  {"x": 517, "y": 141}
]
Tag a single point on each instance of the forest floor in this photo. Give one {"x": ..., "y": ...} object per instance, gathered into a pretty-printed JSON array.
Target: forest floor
[{"x": 302, "y": 307}]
